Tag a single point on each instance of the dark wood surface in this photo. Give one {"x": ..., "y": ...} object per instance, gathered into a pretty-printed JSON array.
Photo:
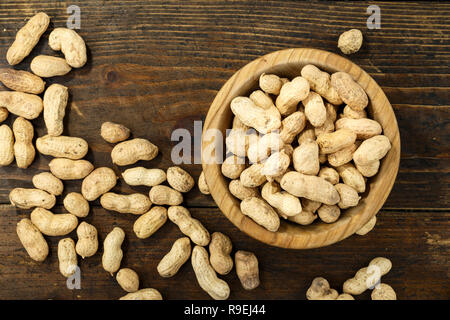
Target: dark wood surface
[{"x": 156, "y": 66}]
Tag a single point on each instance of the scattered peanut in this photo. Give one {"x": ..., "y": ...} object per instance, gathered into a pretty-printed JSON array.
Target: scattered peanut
[
  {"x": 112, "y": 252},
  {"x": 113, "y": 132},
  {"x": 55, "y": 101},
  {"x": 32, "y": 240},
  {"x": 67, "y": 257},
  {"x": 23, "y": 147},
  {"x": 28, "y": 198},
  {"x": 143, "y": 294},
  {"x": 220, "y": 248},
  {"x": 350, "y": 41},
  {"x": 62, "y": 147},
  {"x": 70, "y": 44},
  {"x": 175, "y": 258},
  {"x": 48, "y": 182},
  {"x": 164, "y": 195},
  {"x": 76, "y": 204},
  {"x": 22, "y": 81},
  {"x": 179, "y": 179},
  {"x": 320, "y": 290},
  {"x": 87, "y": 244},
  {"x": 189, "y": 226},
  {"x": 150, "y": 222},
  {"x": 140, "y": 176},
  {"x": 53, "y": 224},
  {"x": 48, "y": 66},
  {"x": 128, "y": 280},
  {"x": 135, "y": 203},
  {"x": 383, "y": 291},
  {"x": 247, "y": 269},
  {"x": 365, "y": 229},
  {"x": 6, "y": 145},
  {"x": 368, "y": 277},
  {"x": 67, "y": 169},
  {"x": 98, "y": 182},
  {"x": 22, "y": 104},
  {"x": 131, "y": 151}
]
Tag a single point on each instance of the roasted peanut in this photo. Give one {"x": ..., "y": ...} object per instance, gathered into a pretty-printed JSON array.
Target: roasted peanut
[
  {"x": 6, "y": 145},
  {"x": 304, "y": 218},
  {"x": 240, "y": 191},
  {"x": 98, "y": 182},
  {"x": 348, "y": 196},
  {"x": 352, "y": 177},
  {"x": 233, "y": 166},
  {"x": 342, "y": 156},
  {"x": 307, "y": 134},
  {"x": 28, "y": 198},
  {"x": 48, "y": 66},
  {"x": 350, "y": 41},
  {"x": 220, "y": 248},
  {"x": 76, "y": 204},
  {"x": 134, "y": 203},
  {"x": 48, "y": 182},
  {"x": 62, "y": 147},
  {"x": 131, "y": 151},
  {"x": 329, "y": 174},
  {"x": 291, "y": 94},
  {"x": 261, "y": 99},
  {"x": 112, "y": 252},
  {"x": 247, "y": 269},
  {"x": 306, "y": 158},
  {"x": 329, "y": 214},
  {"x": 128, "y": 280},
  {"x": 22, "y": 104},
  {"x": 113, "y": 132},
  {"x": 27, "y": 37},
  {"x": 206, "y": 276},
  {"x": 291, "y": 126},
  {"x": 315, "y": 110},
  {"x": 87, "y": 244},
  {"x": 270, "y": 83},
  {"x": 32, "y": 240},
  {"x": 368, "y": 170},
  {"x": 163, "y": 195},
  {"x": 67, "y": 257},
  {"x": 202, "y": 185},
  {"x": 345, "y": 296},
  {"x": 310, "y": 187},
  {"x": 3, "y": 114},
  {"x": 143, "y": 294},
  {"x": 335, "y": 141},
  {"x": 238, "y": 141},
  {"x": 349, "y": 90},
  {"x": 319, "y": 81},
  {"x": 70, "y": 44},
  {"x": 22, "y": 81},
  {"x": 261, "y": 148},
  {"x": 67, "y": 169},
  {"x": 175, "y": 258},
  {"x": 150, "y": 222},
  {"x": 364, "y": 128},
  {"x": 368, "y": 277},
  {"x": 253, "y": 176},
  {"x": 371, "y": 150},
  {"x": 320, "y": 290},
  {"x": 179, "y": 179},
  {"x": 189, "y": 226},
  {"x": 286, "y": 204},
  {"x": 276, "y": 165},
  {"x": 261, "y": 212},
  {"x": 383, "y": 291},
  {"x": 23, "y": 147},
  {"x": 53, "y": 224},
  {"x": 140, "y": 176},
  {"x": 365, "y": 229},
  {"x": 353, "y": 114},
  {"x": 55, "y": 101}
]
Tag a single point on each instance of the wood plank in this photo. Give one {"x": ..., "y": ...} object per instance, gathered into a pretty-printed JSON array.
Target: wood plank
[{"x": 420, "y": 256}]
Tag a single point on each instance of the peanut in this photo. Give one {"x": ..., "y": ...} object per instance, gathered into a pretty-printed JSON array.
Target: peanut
[
  {"x": 329, "y": 174},
  {"x": 315, "y": 110},
  {"x": 206, "y": 276},
  {"x": 6, "y": 145},
  {"x": 131, "y": 151},
  {"x": 240, "y": 191},
  {"x": 113, "y": 132},
  {"x": 128, "y": 280},
  {"x": 163, "y": 195},
  {"x": 364, "y": 128},
  {"x": 291, "y": 126},
  {"x": 310, "y": 187},
  {"x": 98, "y": 182},
  {"x": 87, "y": 244},
  {"x": 247, "y": 269},
  {"x": 22, "y": 104},
  {"x": 345, "y": 296},
  {"x": 261, "y": 212},
  {"x": 286, "y": 204},
  {"x": 3, "y": 114},
  {"x": 32, "y": 240},
  {"x": 175, "y": 258},
  {"x": 150, "y": 222},
  {"x": 320, "y": 290},
  {"x": 233, "y": 166},
  {"x": 62, "y": 147},
  {"x": 254, "y": 116},
  {"x": 349, "y": 91},
  {"x": 348, "y": 196},
  {"x": 23, "y": 147},
  {"x": 371, "y": 150},
  {"x": 328, "y": 125},
  {"x": 55, "y": 101},
  {"x": 276, "y": 165},
  {"x": 335, "y": 141},
  {"x": 220, "y": 248},
  {"x": 76, "y": 204},
  {"x": 27, "y": 37},
  {"x": 67, "y": 169},
  {"x": 67, "y": 257},
  {"x": 253, "y": 176},
  {"x": 29, "y": 198},
  {"x": 260, "y": 149},
  {"x": 135, "y": 203},
  {"x": 383, "y": 292},
  {"x": 202, "y": 185},
  {"x": 261, "y": 99},
  {"x": 368, "y": 277},
  {"x": 342, "y": 156},
  {"x": 352, "y": 177},
  {"x": 306, "y": 158},
  {"x": 112, "y": 252},
  {"x": 304, "y": 218},
  {"x": 350, "y": 41},
  {"x": 320, "y": 82},
  {"x": 329, "y": 214},
  {"x": 353, "y": 114},
  {"x": 365, "y": 229},
  {"x": 291, "y": 94},
  {"x": 238, "y": 141},
  {"x": 70, "y": 44},
  {"x": 140, "y": 176},
  {"x": 53, "y": 224},
  {"x": 189, "y": 226},
  {"x": 310, "y": 205},
  {"x": 368, "y": 170},
  {"x": 179, "y": 179},
  {"x": 22, "y": 81},
  {"x": 270, "y": 83},
  {"x": 48, "y": 66},
  {"x": 48, "y": 182},
  {"x": 238, "y": 125},
  {"x": 143, "y": 294},
  {"x": 307, "y": 134}
]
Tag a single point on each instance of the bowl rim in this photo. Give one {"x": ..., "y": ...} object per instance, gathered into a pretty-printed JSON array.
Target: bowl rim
[{"x": 315, "y": 235}]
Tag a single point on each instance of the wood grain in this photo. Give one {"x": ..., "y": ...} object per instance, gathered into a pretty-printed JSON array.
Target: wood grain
[{"x": 157, "y": 65}]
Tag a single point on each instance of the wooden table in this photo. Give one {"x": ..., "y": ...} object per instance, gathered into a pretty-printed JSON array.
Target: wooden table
[{"x": 156, "y": 66}]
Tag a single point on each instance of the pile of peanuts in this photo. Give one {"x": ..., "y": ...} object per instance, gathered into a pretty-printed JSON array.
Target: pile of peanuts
[
  {"x": 302, "y": 148},
  {"x": 68, "y": 164}
]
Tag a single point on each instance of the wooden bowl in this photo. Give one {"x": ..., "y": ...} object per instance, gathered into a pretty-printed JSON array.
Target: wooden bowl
[{"x": 288, "y": 63}]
